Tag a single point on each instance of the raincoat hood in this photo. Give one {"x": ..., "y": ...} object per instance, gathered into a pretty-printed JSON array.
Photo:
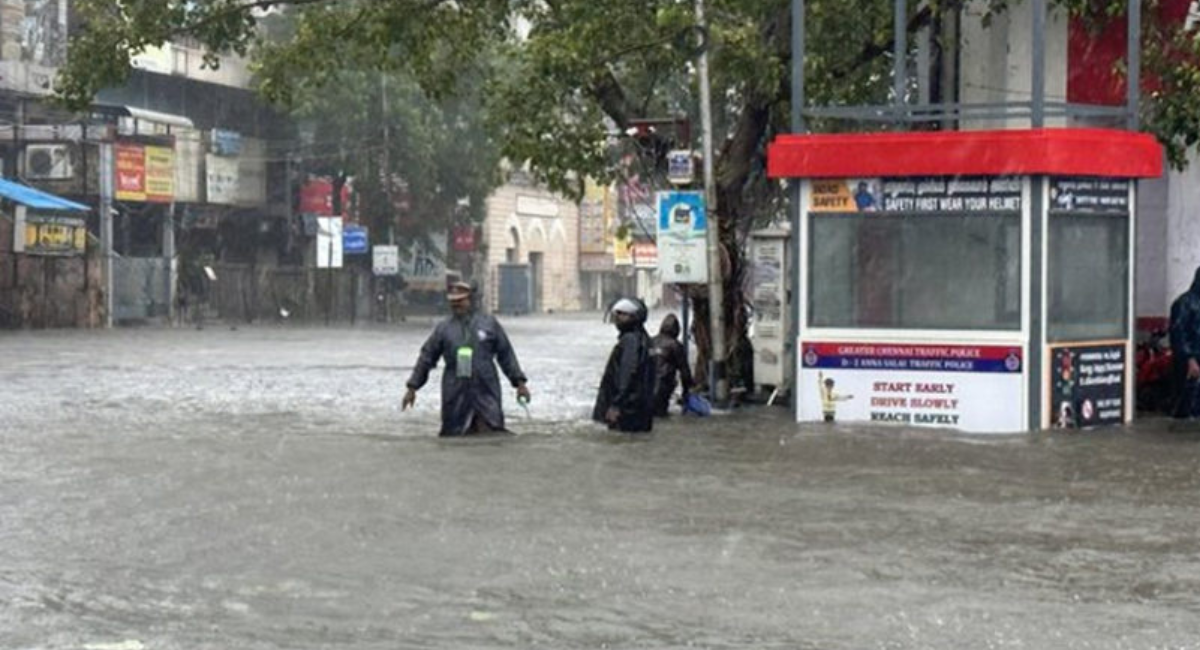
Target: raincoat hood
[{"x": 670, "y": 326}]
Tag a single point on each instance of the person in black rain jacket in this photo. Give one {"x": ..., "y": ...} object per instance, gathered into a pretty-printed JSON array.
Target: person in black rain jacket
[
  {"x": 1185, "y": 349},
  {"x": 626, "y": 392},
  {"x": 670, "y": 359},
  {"x": 470, "y": 344}
]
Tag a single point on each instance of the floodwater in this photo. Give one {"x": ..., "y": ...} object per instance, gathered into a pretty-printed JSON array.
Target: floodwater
[{"x": 259, "y": 489}]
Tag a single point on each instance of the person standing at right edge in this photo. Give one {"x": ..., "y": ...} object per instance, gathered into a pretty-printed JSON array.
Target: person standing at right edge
[
  {"x": 625, "y": 400},
  {"x": 1185, "y": 349}
]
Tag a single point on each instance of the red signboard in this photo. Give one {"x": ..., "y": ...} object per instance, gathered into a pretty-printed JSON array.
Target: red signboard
[
  {"x": 645, "y": 255},
  {"x": 131, "y": 172},
  {"x": 464, "y": 238},
  {"x": 316, "y": 197}
]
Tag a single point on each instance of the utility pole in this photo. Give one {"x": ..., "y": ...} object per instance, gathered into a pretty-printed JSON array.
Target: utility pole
[
  {"x": 717, "y": 381},
  {"x": 106, "y": 226},
  {"x": 798, "y": 126}
]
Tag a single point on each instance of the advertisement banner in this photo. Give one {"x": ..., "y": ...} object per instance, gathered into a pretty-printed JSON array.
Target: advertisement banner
[
  {"x": 145, "y": 173},
  {"x": 42, "y": 234},
  {"x": 160, "y": 174},
  {"x": 130, "y": 169},
  {"x": 595, "y": 218},
  {"x": 968, "y": 387},
  {"x": 645, "y": 255},
  {"x": 682, "y": 237},
  {"x": 925, "y": 194},
  {"x": 1087, "y": 385},
  {"x": 221, "y": 179}
]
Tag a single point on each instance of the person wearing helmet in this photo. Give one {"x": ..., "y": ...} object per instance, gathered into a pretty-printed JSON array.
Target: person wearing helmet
[
  {"x": 624, "y": 401},
  {"x": 670, "y": 359},
  {"x": 470, "y": 344}
]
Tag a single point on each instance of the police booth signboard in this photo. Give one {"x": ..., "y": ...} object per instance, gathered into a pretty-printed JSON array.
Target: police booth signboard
[
  {"x": 972, "y": 387},
  {"x": 1087, "y": 385},
  {"x": 937, "y": 257}
]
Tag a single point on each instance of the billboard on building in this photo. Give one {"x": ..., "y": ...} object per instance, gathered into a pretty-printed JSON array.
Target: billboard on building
[{"x": 145, "y": 173}]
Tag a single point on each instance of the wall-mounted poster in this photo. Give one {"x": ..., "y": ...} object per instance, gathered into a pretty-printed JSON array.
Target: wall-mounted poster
[{"x": 1087, "y": 385}]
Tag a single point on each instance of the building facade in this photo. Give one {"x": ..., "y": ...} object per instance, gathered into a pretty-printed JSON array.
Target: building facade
[{"x": 531, "y": 247}]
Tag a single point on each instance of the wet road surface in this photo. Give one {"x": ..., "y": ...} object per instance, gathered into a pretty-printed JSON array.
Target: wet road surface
[{"x": 260, "y": 489}]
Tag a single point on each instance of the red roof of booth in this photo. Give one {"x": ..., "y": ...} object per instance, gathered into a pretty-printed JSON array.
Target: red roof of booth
[{"x": 1051, "y": 152}]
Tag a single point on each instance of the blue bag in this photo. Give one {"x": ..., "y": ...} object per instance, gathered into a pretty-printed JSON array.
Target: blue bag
[{"x": 696, "y": 404}]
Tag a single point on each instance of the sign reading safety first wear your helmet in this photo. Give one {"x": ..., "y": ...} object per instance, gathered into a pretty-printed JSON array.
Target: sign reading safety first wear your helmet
[{"x": 682, "y": 237}]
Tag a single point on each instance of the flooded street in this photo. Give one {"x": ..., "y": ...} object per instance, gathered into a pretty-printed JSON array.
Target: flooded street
[{"x": 259, "y": 488}]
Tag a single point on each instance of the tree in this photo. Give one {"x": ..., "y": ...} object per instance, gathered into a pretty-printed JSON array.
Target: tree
[
  {"x": 418, "y": 165},
  {"x": 578, "y": 72}
]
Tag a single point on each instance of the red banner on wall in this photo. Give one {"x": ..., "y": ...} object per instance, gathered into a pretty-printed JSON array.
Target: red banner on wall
[{"x": 131, "y": 172}]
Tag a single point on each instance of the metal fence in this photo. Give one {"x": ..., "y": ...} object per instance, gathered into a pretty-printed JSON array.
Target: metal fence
[
  {"x": 141, "y": 288},
  {"x": 248, "y": 293}
]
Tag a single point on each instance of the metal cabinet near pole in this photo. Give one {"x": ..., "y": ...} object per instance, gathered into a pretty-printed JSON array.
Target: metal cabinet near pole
[
  {"x": 516, "y": 289},
  {"x": 768, "y": 297}
]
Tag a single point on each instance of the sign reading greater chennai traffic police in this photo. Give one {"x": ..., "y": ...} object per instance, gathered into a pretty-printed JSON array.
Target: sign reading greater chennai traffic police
[{"x": 682, "y": 237}]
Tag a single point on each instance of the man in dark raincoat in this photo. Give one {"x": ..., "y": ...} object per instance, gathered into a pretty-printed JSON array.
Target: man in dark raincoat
[
  {"x": 1185, "y": 349},
  {"x": 470, "y": 344},
  {"x": 670, "y": 359},
  {"x": 626, "y": 392}
]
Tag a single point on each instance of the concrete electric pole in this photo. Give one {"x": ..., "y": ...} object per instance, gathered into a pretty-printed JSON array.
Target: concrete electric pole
[{"x": 718, "y": 382}]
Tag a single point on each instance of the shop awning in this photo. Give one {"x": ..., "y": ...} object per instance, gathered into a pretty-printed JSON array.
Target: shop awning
[
  {"x": 144, "y": 115},
  {"x": 1025, "y": 152},
  {"x": 37, "y": 199}
]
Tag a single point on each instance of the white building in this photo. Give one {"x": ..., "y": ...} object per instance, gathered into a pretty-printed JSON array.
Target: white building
[{"x": 533, "y": 232}]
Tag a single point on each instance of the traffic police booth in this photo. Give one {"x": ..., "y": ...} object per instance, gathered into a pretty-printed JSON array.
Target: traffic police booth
[{"x": 979, "y": 280}]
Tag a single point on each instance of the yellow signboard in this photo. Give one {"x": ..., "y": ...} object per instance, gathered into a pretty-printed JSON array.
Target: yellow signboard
[
  {"x": 160, "y": 174},
  {"x": 832, "y": 195},
  {"x": 52, "y": 235}
]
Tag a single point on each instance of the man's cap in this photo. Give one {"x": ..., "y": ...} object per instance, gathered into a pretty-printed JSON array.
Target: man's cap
[
  {"x": 458, "y": 290},
  {"x": 625, "y": 306}
]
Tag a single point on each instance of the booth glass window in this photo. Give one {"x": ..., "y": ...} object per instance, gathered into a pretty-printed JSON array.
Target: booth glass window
[
  {"x": 1088, "y": 276},
  {"x": 913, "y": 270}
]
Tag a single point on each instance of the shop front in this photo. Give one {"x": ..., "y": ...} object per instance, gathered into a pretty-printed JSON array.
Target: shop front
[{"x": 978, "y": 280}]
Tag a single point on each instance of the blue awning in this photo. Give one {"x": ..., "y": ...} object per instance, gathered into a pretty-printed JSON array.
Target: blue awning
[{"x": 35, "y": 198}]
